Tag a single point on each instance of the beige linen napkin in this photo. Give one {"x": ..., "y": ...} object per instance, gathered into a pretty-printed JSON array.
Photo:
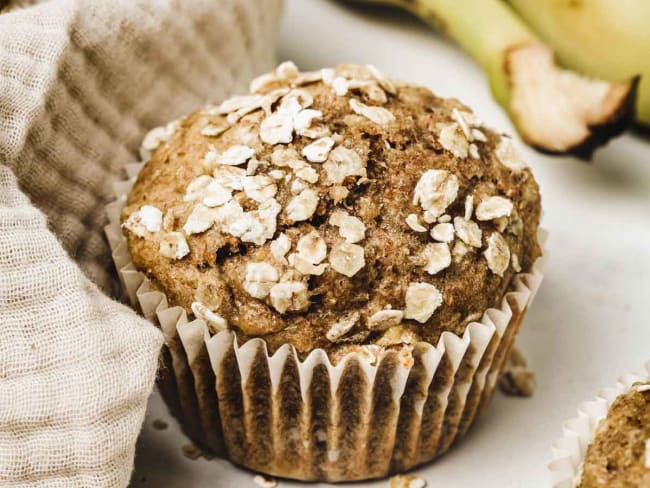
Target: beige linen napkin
[{"x": 80, "y": 84}]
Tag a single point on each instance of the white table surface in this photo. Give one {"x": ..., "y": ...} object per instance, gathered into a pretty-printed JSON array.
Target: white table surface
[{"x": 591, "y": 320}]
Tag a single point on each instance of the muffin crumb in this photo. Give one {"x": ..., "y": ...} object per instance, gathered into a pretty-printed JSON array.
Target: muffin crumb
[
  {"x": 159, "y": 424},
  {"x": 517, "y": 379},
  {"x": 193, "y": 452}
]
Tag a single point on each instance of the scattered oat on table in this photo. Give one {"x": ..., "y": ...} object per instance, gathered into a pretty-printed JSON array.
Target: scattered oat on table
[
  {"x": 406, "y": 481},
  {"x": 265, "y": 481}
]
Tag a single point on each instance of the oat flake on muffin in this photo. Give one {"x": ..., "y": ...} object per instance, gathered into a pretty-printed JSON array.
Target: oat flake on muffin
[{"x": 333, "y": 209}]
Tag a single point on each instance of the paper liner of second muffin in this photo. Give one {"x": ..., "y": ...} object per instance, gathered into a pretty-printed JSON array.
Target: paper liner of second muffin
[
  {"x": 578, "y": 432},
  {"x": 309, "y": 419}
]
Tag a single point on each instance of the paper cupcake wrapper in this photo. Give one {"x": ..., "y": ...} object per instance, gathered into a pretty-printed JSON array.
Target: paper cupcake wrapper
[
  {"x": 310, "y": 419},
  {"x": 577, "y": 433}
]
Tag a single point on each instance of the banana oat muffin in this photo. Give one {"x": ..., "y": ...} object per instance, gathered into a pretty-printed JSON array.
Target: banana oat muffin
[
  {"x": 333, "y": 209},
  {"x": 619, "y": 455}
]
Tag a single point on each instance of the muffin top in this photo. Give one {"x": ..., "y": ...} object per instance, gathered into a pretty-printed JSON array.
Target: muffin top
[
  {"x": 619, "y": 455},
  {"x": 333, "y": 209}
]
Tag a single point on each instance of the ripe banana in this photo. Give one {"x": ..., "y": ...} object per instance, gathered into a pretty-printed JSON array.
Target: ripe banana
[{"x": 553, "y": 109}]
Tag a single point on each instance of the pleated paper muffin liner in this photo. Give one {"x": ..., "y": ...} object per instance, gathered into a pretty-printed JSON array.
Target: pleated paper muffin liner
[
  {"x": 309, "y": 419},
  {"x": 578, "y": 432}
]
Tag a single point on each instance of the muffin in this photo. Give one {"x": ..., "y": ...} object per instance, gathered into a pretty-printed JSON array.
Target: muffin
[
  {"x": 619, "y": 455},
  {"x": 616, "y": 443},
  {"x": 357, "y": 254}
]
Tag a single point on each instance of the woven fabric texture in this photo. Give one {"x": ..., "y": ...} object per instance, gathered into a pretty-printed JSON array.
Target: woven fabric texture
[{"x": 80, "y": 84}]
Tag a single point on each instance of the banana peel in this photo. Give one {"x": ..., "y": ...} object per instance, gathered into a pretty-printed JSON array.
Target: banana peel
[{"x": 553, "y": 109}]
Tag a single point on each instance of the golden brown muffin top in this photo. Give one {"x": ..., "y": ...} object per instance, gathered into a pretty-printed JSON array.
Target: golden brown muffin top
[
  {"x": 331, "y": 209},
  {"x": 619, "y": 455}
]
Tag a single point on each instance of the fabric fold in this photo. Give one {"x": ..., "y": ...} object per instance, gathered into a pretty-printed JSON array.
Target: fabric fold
[{"x": 81, "y": 82}]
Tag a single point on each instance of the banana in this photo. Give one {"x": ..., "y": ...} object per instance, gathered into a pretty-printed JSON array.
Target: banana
[
  {"x": 554, "y": 110},
  {"x": 608, "y": 39}
]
